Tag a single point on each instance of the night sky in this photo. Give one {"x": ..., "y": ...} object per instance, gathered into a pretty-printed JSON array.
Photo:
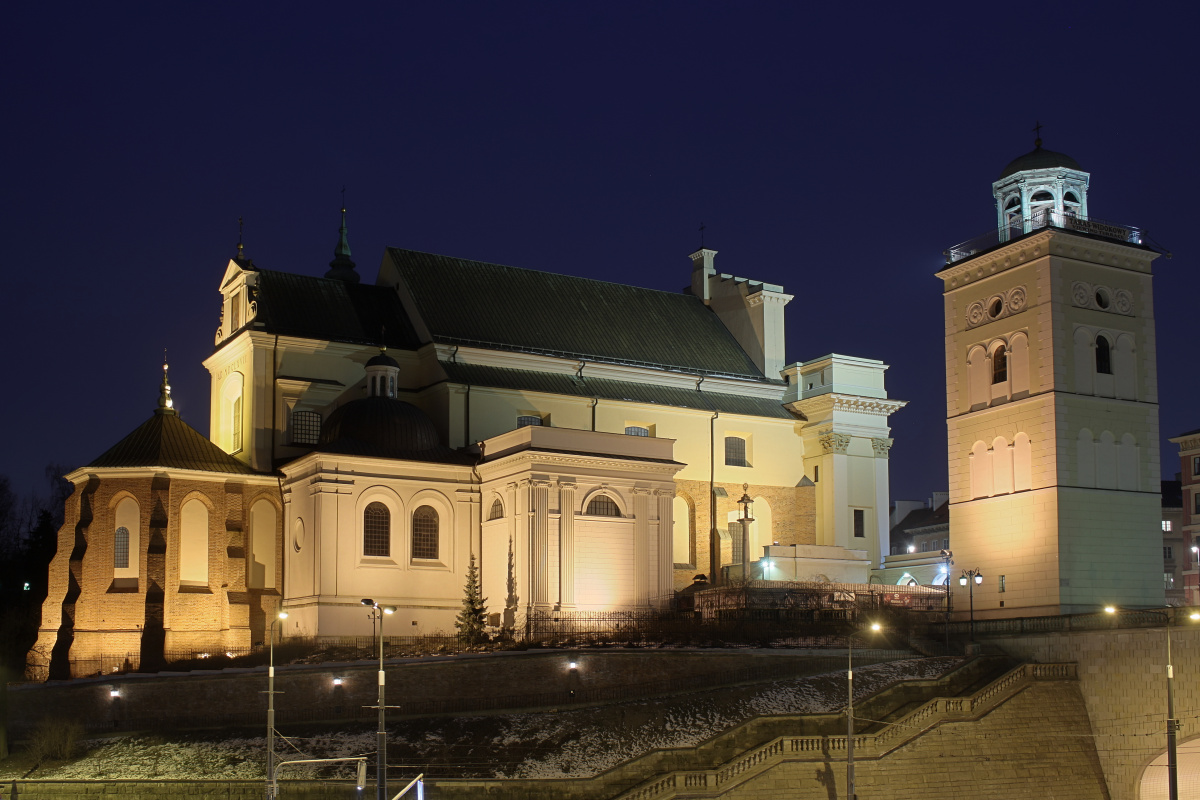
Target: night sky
[{"x": 834, "y": 148}]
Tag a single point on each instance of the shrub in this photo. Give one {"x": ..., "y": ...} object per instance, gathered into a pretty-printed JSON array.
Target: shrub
[{"x": 55, "y": 740}]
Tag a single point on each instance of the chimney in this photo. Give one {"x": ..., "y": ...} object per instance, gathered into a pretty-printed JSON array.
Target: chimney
[{"x": 702, "y": 270}]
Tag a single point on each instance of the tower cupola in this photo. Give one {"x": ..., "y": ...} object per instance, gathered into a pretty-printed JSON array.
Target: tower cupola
[
  {"x": 1039, "y": 189},
  {"x": 382, "y": 373},
  {"x": 165, "y": 404}
]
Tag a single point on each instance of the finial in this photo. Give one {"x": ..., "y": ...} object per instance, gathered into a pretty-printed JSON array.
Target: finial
[
  {"x": 165, "y": 404},
  {"x": 1037, "y": 131},
  {"x": 382, "y": 338},
  {"x": 701, "y": 235},
  {"x": 241, "y": 253}
]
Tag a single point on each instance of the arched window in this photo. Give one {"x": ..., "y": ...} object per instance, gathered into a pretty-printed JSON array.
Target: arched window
[
  {"x": 193, "y": 544},
  {"x": 306, "y": 427},
  {"x": 999, "y": 365},
  {"x": 425, "y": 533},
  {"x": 1103, "y": 356},
  {"x": 497, "y": 511},
  {"x": 735, "y": 452},
  {"x": 377, "y": 530},
  {"x": 636, "y": 430},
  {"x": 528, "y": 420},
  {"x": 603, "y": 506},
  {"x": 121, "y": 548},
  {"x": 263, "y": 521}
]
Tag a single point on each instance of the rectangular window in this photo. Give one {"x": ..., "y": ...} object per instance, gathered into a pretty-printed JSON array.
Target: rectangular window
[
  {"x": 945, "y": 544},
  {"x": 1168, "y": 554},
  {"x": 735, "y": 452},
  {"x": 924, "y": 547},
  {"x": 1195, "y": 465},
  {"x": 860, "y": 523},
  {"x": 1166, "y": 525},
  {"x": 816, "y": 474},
  {"x": 1168, "y": 580},
  {"x": 235, "y": 312},
  {"x": 1196, "y": 502},
  {"x": 1002, "y": 584},
  {"x": 735, "y": 535},
  {"x": 306, "y": 427}
]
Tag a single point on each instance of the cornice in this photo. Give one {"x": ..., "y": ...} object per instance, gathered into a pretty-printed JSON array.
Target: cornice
[
  {"x": 874, "y": 406},
  {"x": 525, "y": 458},
  {"x": 135, "y": 473},
  {"x": 1046, "y": 242}
]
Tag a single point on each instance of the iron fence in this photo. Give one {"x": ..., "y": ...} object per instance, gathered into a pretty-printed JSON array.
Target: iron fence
[{"x": 1040, "y": 220}]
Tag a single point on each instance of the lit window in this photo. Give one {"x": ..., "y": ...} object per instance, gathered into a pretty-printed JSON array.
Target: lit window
[
  {"x": 497, "y": 511},
  {"x": 306, "y": 427},
  {"x": 121, "y": 549},
  {"x": 636, "y": 430},
  {"x": 236, "y": 413},
  {"x": 1103, "y": 356},
  {"x": 1002, "y": 584},
  {"x": 425, "y": 533},
  {"x": 377, "y": 525},
  {"x": 1166, "y": 523},
  {"x": 735, "y": 452},
  {"x": 528, "y": 420},
  {"x": 603, "y": 506},
  {"x": 1168, "y": 580},
  {"x": 860, "y": 523},
  {"x": 1000, "y": 365}
]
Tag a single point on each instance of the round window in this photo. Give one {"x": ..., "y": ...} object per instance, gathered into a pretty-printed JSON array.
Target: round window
[
  {"x": 995, "y": 308},
  {"x": 1102, "y": 300}
]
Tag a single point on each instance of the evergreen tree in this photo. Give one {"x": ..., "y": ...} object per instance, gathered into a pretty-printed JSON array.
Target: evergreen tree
[{"x": 473, "y": 617}]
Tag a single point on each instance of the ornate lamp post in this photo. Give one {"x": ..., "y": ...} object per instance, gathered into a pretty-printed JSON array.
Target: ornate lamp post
[
  {"x": 874, "y": 628},
  {"x": 948, "y": 558},
  {"x": 377, "y": 612},
  {"x": 971, "y": 578},
  {"x": 1172, "y": 723},
  {"x": 745, "y": 502},
  {"x": 271, "y": 706}
]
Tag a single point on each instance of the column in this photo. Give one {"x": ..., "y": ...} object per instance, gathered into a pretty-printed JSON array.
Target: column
[
  {"x": 540, "y": 541},
  {"x": 666, "y": 530},
  {"x": 642, "y": 578},
  {"x": 882, "y": 447},
  {"x": 566, "y": 543}
]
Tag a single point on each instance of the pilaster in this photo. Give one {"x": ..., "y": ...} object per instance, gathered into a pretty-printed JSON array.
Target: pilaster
[
  {"x": 566, "y": 543},
  {"x": 642, "y": 568}
]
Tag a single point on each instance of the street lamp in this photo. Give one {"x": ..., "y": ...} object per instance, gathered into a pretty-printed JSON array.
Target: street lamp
[
  {"x": 745, "y": 502},
  {"x": 271, "y": 706},
  {"x": 1172, "y": 723},
  {"x": 948, "y": 558},
  {"x": 971, "y": 578},
  {"x": 377, "y": 612},
  {"x": 875, "y": 628}
]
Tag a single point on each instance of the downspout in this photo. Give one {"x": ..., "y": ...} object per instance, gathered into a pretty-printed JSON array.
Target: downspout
[
  {"x": 274, "y": 399},
  {"x": 714, "y": 541},
  {"x": 595, "y": 400},
  {"x": 466, "y": 405}
]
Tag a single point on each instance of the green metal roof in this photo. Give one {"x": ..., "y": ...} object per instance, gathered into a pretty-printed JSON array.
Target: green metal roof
[
  {"x": 489, "y": 305},
  {"x": 1039, "y": 159},
  {"x": 331, "y": 310},
  {"x": 606, "y": 389},
  {"x": 166, "y": 441}
]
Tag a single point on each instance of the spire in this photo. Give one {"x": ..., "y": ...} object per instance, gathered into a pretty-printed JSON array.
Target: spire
[
  {"x": 342, "y": 267},
  {"x": 165, "y": 404}
]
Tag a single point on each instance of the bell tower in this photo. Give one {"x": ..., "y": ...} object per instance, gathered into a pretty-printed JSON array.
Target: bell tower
[{"x": 1051, "y": 402}]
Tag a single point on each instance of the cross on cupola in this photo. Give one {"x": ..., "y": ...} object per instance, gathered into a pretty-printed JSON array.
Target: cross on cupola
[{"x": 382, "y": 374}]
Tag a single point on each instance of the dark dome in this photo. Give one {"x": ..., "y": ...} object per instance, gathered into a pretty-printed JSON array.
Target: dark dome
[
  {"x": 379, "y": 426},
  {"x": 1039, "y": 158},
  {"x": 383, "y": 360}
]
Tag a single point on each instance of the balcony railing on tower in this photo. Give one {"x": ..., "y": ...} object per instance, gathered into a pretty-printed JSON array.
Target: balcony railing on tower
[{"x": 1040, "y": 220}]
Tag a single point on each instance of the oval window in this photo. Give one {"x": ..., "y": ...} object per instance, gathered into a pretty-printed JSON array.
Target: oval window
[
  {"x": 995, "y": 308},
  {"x": 1102, "y": 300}
]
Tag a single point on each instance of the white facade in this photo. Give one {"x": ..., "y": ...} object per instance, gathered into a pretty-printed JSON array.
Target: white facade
[{"x": 1052, "y": 414}]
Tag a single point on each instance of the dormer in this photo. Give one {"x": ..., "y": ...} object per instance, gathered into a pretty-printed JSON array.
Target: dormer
[
  {"x": 239, "y": 298},
  {"x": 1040, "y": 189}
]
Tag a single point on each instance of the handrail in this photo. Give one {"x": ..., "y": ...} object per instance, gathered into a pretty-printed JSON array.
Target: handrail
[
  {"x": 1042, "y": 220},
  {"x": 906, "y": 728}
]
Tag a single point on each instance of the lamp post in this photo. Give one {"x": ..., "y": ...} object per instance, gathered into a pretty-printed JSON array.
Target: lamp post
[
  {"x": 971, "y": 578},
  {"x": 1172, "y": 723},
  {"x": 377, "y": 612},
  {"x": 271, "y": 705},
  {"x": 745, "y": 502},
  {"x": 875, "y": 628},
  {"x": 948, "y": 558}
]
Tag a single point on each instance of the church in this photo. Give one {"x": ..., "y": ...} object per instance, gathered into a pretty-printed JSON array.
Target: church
[{"x": 586, "y": 443}]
